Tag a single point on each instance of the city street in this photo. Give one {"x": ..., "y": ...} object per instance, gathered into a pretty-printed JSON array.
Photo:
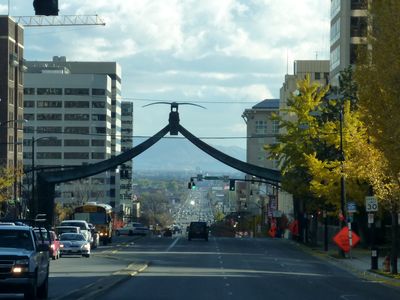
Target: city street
[{"x": 227, "y": 268}]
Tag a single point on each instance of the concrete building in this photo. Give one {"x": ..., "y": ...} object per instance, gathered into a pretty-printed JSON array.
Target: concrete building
[
  {"x": 318, "y": 70},
  {"x": 78, "y": 103},
  {"x": 11, "y": 98},
  {"x": 348, "y": 33},
  {"x": 261, "y": 130},
  {"x": 126, "y": 195}
]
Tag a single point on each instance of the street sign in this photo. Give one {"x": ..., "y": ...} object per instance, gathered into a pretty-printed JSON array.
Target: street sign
[
  {"x": 371, "y": 204},
  {"x": 351, "y": 207},
  {"x": 342, "y": 239}
]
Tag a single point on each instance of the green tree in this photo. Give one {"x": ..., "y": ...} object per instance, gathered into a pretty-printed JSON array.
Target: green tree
[{"x": 377, "y": 76}]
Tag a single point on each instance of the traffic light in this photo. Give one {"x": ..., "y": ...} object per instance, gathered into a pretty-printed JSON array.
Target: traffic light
[
  {"x": 191, "y": 184},
  {"x": 46, "y": 7},
  {"x": 231, "y": 184}
]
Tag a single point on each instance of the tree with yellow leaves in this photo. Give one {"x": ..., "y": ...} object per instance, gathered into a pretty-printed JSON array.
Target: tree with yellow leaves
[{"x": 378, "y": 79}]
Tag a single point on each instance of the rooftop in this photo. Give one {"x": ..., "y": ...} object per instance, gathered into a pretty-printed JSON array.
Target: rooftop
[{"x": 267, "y": 104}]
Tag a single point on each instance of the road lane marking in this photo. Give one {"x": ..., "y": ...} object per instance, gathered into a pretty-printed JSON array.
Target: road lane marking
[{"x": 172, "y": 245}]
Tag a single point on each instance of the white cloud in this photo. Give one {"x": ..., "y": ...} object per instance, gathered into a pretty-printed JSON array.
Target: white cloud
[{"x": 189, "y": 49}]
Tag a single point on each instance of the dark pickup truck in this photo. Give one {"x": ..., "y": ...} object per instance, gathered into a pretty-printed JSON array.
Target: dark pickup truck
[{"x": 24, "y": 261}]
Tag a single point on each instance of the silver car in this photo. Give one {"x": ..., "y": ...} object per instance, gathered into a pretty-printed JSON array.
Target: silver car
[{"x": 74, "y": 244}]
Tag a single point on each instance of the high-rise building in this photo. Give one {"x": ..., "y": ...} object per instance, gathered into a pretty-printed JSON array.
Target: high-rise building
[
  {"x": 78, "y": 103},
  {"x": 11, "y": 98},
  {"x": 126, "y": 196},
  {"x": 349, "y": 27}
]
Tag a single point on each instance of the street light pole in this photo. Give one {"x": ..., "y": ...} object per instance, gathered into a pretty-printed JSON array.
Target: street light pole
[
  {"x": 33, "y": 205},
  {"x": 342, "y": 178}
]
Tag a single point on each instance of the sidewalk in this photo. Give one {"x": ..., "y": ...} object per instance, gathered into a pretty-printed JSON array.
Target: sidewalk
[{"x": 358, "y": 262}]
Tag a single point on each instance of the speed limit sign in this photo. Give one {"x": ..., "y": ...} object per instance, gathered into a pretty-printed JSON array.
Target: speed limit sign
[{"x": 371, "y": 204}]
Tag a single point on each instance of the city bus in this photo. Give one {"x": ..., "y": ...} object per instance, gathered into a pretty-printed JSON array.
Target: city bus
[{"x": 100, "y": 215}]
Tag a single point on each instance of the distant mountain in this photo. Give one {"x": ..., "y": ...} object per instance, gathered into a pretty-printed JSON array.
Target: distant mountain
[{"x": 181, "y": 155}]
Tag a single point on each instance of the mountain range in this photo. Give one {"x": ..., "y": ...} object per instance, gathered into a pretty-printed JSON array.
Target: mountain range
[{"x": 171, "y": 154}]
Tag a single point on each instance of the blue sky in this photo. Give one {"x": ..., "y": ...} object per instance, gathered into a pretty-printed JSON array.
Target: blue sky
[{"x": 198, "y": 51}]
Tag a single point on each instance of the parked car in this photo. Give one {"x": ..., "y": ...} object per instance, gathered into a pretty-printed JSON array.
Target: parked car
[
  {"x": 74, "y": 244},
  {"x": 198, "y": 230},
  {"x": 133, "y": 228}
]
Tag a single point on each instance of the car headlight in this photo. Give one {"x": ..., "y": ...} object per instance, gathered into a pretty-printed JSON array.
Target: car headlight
[
  {"x": 86, "y": 246},
  {"x": 20, "y": 266},
  {"x": 61, "y": 245}
]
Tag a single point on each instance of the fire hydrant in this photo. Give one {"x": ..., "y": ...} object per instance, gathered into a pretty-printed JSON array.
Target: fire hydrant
[{"x": 386, "y": 264}]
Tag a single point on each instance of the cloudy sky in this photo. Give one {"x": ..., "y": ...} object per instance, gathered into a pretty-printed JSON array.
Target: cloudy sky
[{"x": 226, "y": 55}]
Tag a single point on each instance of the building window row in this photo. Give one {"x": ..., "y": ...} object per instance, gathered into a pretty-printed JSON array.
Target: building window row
[
  {"x": 67, "y": 91},
  {"x": 67, "y": 117},
  {"x": 67, "y": 104},
  {"x": 335, "y": 31},
  {"x": 67, "y": 155},
  {"x": 335, "y": 58},
  {"x": 335, "y": 7}
]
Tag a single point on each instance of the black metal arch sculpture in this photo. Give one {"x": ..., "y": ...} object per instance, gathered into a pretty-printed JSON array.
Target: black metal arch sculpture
[{"x": 46, "y": 180}]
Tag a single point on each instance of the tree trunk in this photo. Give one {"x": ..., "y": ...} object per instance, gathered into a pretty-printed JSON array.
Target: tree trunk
[{"x": 395, "y": 241}]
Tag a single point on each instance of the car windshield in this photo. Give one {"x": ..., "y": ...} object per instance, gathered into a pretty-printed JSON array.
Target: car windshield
[
  {"x": 72, "y": 237},
  {"x": 16, "y": 239}
]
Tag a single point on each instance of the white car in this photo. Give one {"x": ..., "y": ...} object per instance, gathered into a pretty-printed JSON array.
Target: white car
[
  {"x": 133, "y": 228},
  {"x": 74, "y": 244},
  {"x": 83, "y": 225}
]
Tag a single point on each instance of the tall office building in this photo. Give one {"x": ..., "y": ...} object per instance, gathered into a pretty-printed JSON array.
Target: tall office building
[
  {"x": 11, "y": 97},
  {"x": 349, "y": 27},
  {"x": 79, "y": 103},
  {"x": 126, "y": 196}
]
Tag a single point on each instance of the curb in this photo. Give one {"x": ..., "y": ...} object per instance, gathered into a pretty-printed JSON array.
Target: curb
[
  {"x": 92, "y": 290},
  {"x": 367, "y": 274}
]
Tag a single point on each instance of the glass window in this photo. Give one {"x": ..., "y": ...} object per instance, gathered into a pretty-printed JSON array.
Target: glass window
[
  {"x": 335, "y": 8},
  {"x": 29, "y": 91},
  {"x": 275, "y": 126},
  {"x": 98, "y": 117},
  {"x": 98, "y": 155},
  {"x": 358, "y": 26},
  {"x": 29, "y": 117},
  {"x": 98, "y": 104},
  {"x": 29, "y": 129},
  {"x": 49, "y": 129},
  {"x": 49, "y": 117},
  {"x": 79, "y": 104},
  {"x": 100, "y": 130},
  {"x": 98, "y": 92},
  {"x": 76, "y": 117},
  {"x": 335, "y": 31},
  {"x": 77, "y": 130},
  {"x": 49, "y": 91},
  {"x": 48, "y": 155},
  {"x": 76, "y": 91},
  {"x": 79, "y": 143},
  {"x": 29, "y": 103},
  {"x": 335, "y": 58},
  {"x": 42, "y": 104},
  {"x": 49, "y": 142},
  {"x": 261, "y": 127},
  {"x": 98, "y": 143},
  {"x": 76, "y": 155},
  {"x": 359, "y": 4}
]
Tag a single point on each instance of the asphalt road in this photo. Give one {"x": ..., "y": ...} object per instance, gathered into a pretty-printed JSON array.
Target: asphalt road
[{"x": 225, "y": 268}]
